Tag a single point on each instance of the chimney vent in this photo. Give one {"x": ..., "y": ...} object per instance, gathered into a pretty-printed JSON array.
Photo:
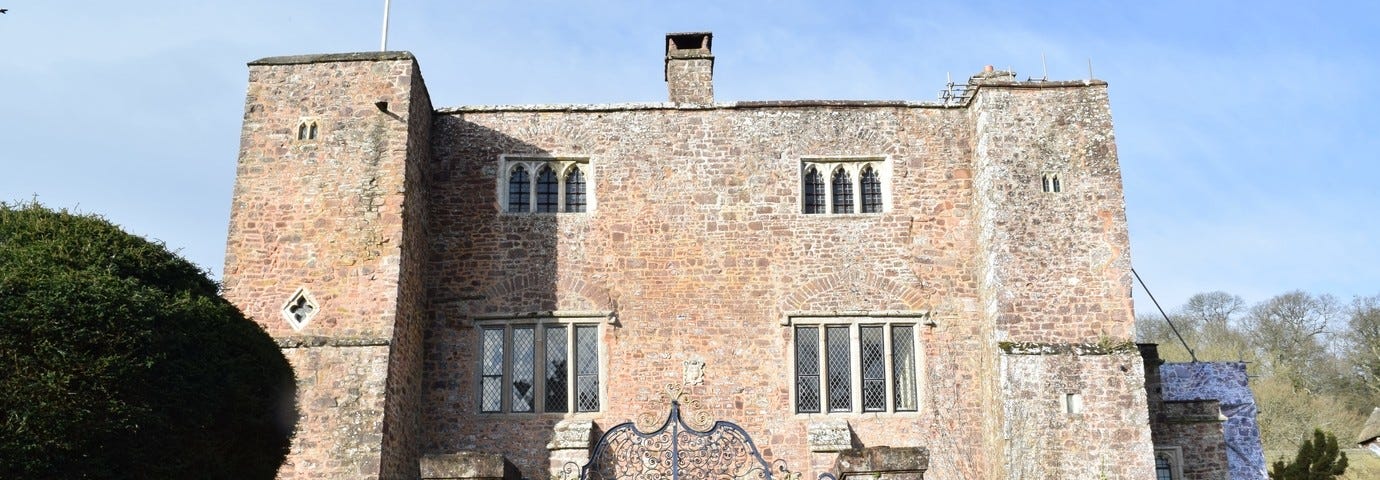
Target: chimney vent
[{"x": 690, "y": 67}]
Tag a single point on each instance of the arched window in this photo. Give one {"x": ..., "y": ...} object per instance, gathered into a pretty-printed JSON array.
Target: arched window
[
  {"x": 814, "y": 191},
  {"x": 1163, "y": 469},
  {"x": 575, "y": 190},
  {"x": 548, "y": 190},
  {"x": 519, "y": 190},
  {"x": 302, "y": 131},
  {"x": 871, "y": 191},
  {"x": 843, "y": 192},
  {"x": 311, "y": 131},
  {"x": 1050, "y": 183}
]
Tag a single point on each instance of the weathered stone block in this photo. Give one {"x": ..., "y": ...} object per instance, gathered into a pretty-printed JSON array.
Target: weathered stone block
[
  {"x": 829, "y": 436},
  {"x": 467, "y": 465}
]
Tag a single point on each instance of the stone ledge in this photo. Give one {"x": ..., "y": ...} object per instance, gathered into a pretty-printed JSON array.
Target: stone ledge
[
  {"x": 309, "y": 341},
  {"x": 1042, "y": 348}
]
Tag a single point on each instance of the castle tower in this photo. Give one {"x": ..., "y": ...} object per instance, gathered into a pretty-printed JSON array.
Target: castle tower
[
  {"x": 325, "y": 250},
  {"x": 1054, "y": 280}
]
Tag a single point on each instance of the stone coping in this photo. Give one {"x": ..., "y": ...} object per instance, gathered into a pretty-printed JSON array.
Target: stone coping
[
  {"x": 761, "y": 104},
  {"x": 334, "y": 57}
]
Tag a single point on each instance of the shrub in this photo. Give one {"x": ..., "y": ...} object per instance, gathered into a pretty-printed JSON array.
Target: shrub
[
  {"x": 1317, "y": 459},
  {"x": 118, "y": 359}
]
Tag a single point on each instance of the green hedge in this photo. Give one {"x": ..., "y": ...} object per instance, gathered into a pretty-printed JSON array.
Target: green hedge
[{"x": 118, "y": 359}]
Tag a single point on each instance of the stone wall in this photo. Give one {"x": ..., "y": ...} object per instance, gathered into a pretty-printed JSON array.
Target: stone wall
[
  {"x": 699, "y": 247},
  {"x": 322, "y": 209}
]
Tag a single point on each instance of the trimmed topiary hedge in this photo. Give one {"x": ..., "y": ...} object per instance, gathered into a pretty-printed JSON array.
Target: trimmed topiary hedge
[{"x": 118, "y": 359}]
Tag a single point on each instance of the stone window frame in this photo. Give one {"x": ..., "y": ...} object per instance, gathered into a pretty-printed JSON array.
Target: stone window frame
[
  {"x": 561, "y": 165},
  {"x": 308, "y": 129},
  {"x": 828, "y": 166},
  {"x": 854, "y": 320},
  {"x": 539, "y": 322},
  {"x": 1175, "y": 456}
]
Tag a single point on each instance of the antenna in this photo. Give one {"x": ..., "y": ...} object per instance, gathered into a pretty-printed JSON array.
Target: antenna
[
  {"x": 383, "y": 44},
  {"x": 1090, "y": 75},
  {"x": 1044, "y": 66}
]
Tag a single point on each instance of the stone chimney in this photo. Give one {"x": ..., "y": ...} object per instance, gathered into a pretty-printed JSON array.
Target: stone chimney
[{"x": 690, "y": 67}]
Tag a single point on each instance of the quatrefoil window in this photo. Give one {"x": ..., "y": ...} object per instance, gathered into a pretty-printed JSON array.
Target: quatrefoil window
[{"x": 300, "y": 308}]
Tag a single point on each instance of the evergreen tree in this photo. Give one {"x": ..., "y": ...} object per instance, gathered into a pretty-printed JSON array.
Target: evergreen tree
[
  {"x": 1318, "y": 459},
  {"x": 119, "y": 359}
]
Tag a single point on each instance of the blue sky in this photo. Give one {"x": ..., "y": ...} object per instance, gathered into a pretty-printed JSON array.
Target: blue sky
[{"x": 1247, "y": 132}]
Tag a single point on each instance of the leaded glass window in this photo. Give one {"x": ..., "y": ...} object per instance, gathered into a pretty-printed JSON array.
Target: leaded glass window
[
  {"x": 807, "y": 369},
  {"x": 587, "y": 366},
  {"x": 843, "y": 192},
  {"x": 524, "y": 356},
  {"x": 514, "y": 357},
  {"x": 814, "y": 191},
  {"x": 575, "y": 190},
  {"x": 853, "y": 365},
  {"x": 548, "y": 190},
  {"x": 519, "y": 190},
  {"x": 838, "y": 349},
  {"x": 873, "y": 369},
  {"x": 1163, "y": 469},
  {"x": 491, "y": 383},
  {"x": 557, "y": 369},
  {"x": 903, "y": 367},
  {"x": 871, "y": 191}
]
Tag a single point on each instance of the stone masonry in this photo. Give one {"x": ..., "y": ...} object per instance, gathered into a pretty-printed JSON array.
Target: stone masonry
[{"x": 695, "y": 264}]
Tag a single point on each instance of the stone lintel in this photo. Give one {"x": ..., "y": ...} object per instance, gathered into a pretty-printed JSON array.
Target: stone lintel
[
  {"x": 883, "y": 462},
  {"x": 467, "y": 465},
  {"x": 829, "y": 436}
]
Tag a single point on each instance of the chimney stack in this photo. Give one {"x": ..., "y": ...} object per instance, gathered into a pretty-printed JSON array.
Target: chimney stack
[{"x": 690, "y": 67}]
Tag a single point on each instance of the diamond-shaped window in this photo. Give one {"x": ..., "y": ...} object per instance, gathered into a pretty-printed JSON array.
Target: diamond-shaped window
[{"x": 300, "y": 308}]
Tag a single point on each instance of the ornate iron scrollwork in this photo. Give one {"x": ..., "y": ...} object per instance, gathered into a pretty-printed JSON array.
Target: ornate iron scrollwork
[{"x": 676, "y": 450}]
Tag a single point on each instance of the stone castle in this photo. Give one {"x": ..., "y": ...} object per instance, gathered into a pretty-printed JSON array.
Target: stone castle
[{"x": 942, "y": 288}]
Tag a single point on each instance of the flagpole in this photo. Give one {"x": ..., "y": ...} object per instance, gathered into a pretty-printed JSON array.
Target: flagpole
[{"x": 383, "y": 44}]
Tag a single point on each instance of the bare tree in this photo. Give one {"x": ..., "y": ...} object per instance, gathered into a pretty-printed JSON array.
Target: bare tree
[
  {"x": 1361, "y": 341},
  {"x": 1290, "y": 332}
]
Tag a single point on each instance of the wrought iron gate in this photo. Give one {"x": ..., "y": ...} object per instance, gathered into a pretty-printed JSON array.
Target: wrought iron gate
[{"x": 678, "y": 451}]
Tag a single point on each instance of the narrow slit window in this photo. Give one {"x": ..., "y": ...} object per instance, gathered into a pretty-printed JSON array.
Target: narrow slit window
[
  {"x": 519, "y": 190},
  {"x": 871, "y": 191},
  {"x": 843, "y": 192},
  {"x": 814, "y": 191},
  {"x": 548, "y": 190},
  {"x": 575, "y": 190},
  {"x": 1050, "y": 183}
]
